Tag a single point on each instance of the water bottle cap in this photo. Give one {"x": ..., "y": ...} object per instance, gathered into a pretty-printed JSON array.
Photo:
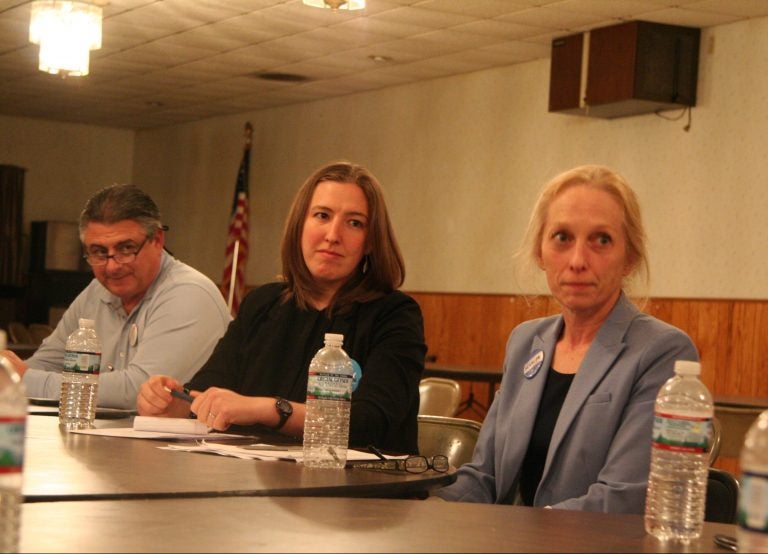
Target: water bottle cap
[
  {"x": 687, "y": 367},
  {"x": 334, "y": 338}
]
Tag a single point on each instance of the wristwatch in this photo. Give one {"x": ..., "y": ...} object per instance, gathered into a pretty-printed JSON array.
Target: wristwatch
[{"x": 284, "y": 410}]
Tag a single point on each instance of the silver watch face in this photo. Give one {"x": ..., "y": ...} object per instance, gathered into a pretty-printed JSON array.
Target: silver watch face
[{"x": 284, "y": 407}]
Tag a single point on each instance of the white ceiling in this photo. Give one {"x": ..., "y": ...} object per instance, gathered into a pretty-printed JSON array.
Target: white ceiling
[{"x": 171, "y": 61}]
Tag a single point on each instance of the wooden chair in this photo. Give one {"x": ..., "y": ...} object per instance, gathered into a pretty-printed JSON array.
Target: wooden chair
[
  {"x": 735, "y": 422},
  {"x": 439, "y": 396},
  {"x": 453, "y": 437},
  {"x": 18, "y": 333},
  {"x": 39, "y": 331}
]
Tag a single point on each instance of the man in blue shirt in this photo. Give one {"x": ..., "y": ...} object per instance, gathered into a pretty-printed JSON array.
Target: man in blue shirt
[{"x": 153, "y": 313}]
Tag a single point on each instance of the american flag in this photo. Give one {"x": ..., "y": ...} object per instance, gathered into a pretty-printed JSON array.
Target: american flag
[{"x": 237, "y": 239}]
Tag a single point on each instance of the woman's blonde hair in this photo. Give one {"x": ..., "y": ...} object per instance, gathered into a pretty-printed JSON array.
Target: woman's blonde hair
[
  {"x": 382, "y": 268},
  {"x": 605, "y": 179}
]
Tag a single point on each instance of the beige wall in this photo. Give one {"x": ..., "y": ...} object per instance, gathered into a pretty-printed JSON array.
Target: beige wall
[
  {"x": 462, "y": 158},
  {"x": 65, "y": 163}
]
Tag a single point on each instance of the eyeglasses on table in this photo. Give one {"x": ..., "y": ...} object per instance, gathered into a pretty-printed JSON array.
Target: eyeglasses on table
[{"x": 411, "y": 464}]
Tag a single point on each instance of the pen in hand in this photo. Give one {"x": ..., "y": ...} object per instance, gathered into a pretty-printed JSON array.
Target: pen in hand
[{"x": 181, "y": 395}]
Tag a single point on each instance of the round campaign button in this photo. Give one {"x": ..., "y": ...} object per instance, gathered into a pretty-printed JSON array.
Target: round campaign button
[
  {"x": 358, "y": 374},
  {"x": 532, "y": 366}
]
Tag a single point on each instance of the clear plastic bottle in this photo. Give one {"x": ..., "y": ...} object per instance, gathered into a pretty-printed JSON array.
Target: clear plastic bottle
[
  {"x": 13, "y": 417},
  {"x": 682, "y": 437},
  {"x": 329, "y": 395},
  {"x": 752, "y": 531},
  {"x": 80, "y": 378}
]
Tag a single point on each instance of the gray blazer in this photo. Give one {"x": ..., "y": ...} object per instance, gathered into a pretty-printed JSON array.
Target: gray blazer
[{"x": 599, "y": 455}]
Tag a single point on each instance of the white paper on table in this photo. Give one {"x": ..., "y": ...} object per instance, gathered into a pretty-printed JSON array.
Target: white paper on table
[
  {"x": 262, "y": 451},
  {"x": 146, "y": 427},
  {"x": 182, "y": 425}
]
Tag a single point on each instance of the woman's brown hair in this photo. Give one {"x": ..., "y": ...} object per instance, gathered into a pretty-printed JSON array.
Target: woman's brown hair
[{"x": 380, "y": 271}]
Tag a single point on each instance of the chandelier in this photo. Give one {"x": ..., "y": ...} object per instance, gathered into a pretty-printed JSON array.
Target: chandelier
[
  {"x": 337, "y": 4},
  {"x": 66, "y": 31}
]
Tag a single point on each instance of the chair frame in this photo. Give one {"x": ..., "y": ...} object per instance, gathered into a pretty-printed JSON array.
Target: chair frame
[
  {"x": 721, "y": 508},
  {"x": 449, "y": 388},
  {"x": 456, "y": 433}
]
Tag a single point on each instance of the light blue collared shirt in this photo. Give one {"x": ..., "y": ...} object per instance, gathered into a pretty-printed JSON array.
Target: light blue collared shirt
[{"x": 172, "y": 331}]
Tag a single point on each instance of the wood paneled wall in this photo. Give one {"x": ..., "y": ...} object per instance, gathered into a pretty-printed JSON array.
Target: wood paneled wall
[{"x": 731, "y": 335}]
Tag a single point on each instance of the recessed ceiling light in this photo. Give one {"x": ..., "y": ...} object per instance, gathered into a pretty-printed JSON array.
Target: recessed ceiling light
[{"x": 282, "y": 77}]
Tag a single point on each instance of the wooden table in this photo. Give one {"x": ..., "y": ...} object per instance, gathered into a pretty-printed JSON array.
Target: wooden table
[
  {"x": 280, "y": 524},
  {"x": 68, "y": 466},
  {"x": 486, "y": 374}
]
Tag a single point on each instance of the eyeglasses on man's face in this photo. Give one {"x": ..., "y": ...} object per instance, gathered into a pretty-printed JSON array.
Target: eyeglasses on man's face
[
  {"x": 125, "y": 253},
  {"x": 411, "y": 464}
]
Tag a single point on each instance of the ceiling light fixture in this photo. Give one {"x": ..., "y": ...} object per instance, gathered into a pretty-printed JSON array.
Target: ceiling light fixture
[
  {"x": 66, "y": 32},
  {"x": 337, "y": 4}
]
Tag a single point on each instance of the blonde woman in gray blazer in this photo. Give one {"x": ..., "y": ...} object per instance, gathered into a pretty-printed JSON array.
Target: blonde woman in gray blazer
[{"x": 571, "y": 425}]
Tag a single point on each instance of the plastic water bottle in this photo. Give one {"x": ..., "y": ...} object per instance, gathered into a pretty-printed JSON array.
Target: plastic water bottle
[
  {"x": 752, "y": 531},
  {"x": 80, "y": 378},
  {"x": 13, "y": 417},
  {"x": 682, "y": 437},
  {"x": 329, "y": 395}
]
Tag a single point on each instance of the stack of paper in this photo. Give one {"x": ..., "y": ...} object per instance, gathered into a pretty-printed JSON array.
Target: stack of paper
[
  {"x": 261, "y": 451},
  {"x": 146, "y": 427}
]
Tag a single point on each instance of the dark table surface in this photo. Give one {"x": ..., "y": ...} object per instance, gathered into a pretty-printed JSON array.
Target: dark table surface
[
  {"x": 67, "y": 466},
  {"x": 289, "y": 524}
]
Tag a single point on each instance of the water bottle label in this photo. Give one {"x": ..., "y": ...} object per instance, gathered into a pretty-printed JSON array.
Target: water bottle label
[
  {"x": 753, "y": 502},
  {"x": 82, "y": 362},
  {"x": 11, "y": 444},
  {"x": 329, "y": 386},
  {"x": 682, "y": 433}
]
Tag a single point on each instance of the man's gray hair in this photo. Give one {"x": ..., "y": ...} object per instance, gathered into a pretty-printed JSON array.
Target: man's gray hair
[{"x": 120, "y": 202}]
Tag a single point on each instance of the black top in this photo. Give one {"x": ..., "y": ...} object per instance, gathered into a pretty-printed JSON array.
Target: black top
[
  {"x": 267, "y": 349},
  {"x": 555, "y": 391}
]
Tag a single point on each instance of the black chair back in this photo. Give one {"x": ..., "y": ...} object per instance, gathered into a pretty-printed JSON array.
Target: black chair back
[{"x": 722, "y": 497}]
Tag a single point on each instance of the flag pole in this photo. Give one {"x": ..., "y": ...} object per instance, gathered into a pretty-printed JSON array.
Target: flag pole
[
  {"x": 237, "y": 241},
  {"x": 232, "y": 277}
]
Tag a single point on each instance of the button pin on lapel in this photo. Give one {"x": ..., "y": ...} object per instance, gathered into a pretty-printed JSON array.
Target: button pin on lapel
[{"x": 533, "y": 365}]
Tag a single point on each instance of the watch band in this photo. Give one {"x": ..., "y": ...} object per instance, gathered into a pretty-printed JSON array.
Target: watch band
[{"x": 284, "y": 410}]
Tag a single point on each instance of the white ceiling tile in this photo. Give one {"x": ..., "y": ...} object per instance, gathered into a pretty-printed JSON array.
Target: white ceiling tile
[
  {"x": 130, "y": 32},
  {"x": 383, "y": 27},
  {"x": 680, "y": 16},
  {"x": 506, "y": 30},
  {"x": 740, "y": 8},
  {"x": 424, "y": 18},
  {"x": 450, "y": 40},
  {"x": 198, "y": 57},
  {"x": 550, "y": 18},
  {"x": 243, "y": 60},
  {"x": 605, "y": 8},
  {"x": 209, "y": 37},
  {"x": 475, "y": 8}
]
